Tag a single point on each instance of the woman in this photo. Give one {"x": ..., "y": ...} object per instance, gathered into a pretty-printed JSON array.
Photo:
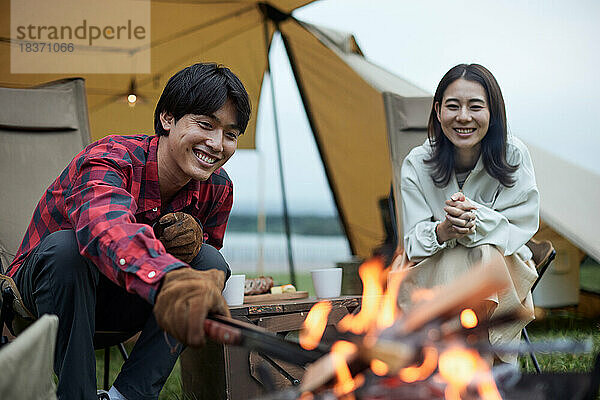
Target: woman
[{"x": 469, "y": 193}]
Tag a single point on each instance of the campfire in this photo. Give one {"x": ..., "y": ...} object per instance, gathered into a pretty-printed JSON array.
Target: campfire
[{"x": 436, "y": 350}]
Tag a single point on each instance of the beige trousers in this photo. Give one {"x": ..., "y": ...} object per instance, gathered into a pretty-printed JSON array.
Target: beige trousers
[{"x": 450, "y": 263}]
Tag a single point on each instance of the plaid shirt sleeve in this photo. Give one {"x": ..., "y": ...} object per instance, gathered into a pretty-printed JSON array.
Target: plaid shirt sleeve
[
  {"x": 216, "y": 223},
  {"x": 101, "y": 210}
]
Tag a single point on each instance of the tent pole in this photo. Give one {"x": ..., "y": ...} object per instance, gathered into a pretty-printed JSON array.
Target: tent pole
[
  {"x": 317, "y": 136},
  {"x": 286, "y": 220},
  {"x": 261, "y": 223}
]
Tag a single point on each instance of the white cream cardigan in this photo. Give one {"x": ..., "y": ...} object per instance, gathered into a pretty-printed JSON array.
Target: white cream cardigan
[{"x": 506, "y": 217}]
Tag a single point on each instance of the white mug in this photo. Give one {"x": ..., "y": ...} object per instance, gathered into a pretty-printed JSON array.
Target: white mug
[
  {"x": 234, "y": 290},
  {"x": 327, "y": 282}
]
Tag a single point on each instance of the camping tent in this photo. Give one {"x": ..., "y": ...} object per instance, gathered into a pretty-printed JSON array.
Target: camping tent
[
  {"x": 182, "y": 33},
  {"x": 352, "y": 105},
  {"x": 570, "y": 199}
]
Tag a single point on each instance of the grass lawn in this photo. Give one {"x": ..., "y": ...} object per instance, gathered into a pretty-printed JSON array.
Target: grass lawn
[
  {"x": 556, "y": 324},
  {"x": 303, "y": 281},
  {"x": 563, "y": 325},
  {"x": 171, "y": 390},
  {"x": 560, "y": 324}
]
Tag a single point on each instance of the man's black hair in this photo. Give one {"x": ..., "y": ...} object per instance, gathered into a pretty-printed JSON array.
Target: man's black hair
[{"x": 202, "y": 89}]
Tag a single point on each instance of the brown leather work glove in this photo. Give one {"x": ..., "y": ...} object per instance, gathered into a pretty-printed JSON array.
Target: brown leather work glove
[
  {"x": 181, "y": 235},
  {"x": 184, "y": 300}
]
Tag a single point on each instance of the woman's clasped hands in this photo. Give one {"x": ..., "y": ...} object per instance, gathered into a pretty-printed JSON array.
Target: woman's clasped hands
[{"x": 460, "y": 218}]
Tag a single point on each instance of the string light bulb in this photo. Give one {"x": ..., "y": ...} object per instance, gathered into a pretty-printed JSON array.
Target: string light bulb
[{"x": 132, "y": 97}]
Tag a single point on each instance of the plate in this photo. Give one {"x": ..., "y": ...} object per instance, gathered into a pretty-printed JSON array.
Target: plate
[{"x": 269, "y": 297}]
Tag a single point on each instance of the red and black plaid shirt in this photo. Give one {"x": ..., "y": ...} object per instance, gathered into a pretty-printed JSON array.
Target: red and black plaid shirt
[{"x": 109, "y": 194}]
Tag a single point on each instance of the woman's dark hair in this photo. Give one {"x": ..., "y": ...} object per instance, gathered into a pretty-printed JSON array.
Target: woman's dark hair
[
  {"x": 493, "y": 145},
  {"x": 202, "y": 89}
]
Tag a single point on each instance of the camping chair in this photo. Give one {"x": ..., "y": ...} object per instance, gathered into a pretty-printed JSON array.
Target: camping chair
[
  {"x": 41, "y": 129},
  {"x": 543, "y": 254}
]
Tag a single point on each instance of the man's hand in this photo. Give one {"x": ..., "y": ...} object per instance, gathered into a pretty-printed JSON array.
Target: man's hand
[
  {"x": 181, "y": 235},
  {"x": 460, "y": 219},
  {"x": 185, "y": 299}
]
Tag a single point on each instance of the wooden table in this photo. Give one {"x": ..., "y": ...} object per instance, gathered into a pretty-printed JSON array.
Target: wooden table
[{"x": 218, "y": 372}]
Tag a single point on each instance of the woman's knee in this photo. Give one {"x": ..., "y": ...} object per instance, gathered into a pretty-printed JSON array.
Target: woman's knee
[
  {"x": 484, "y": 253},
  {"x": 209, "y": 258}
]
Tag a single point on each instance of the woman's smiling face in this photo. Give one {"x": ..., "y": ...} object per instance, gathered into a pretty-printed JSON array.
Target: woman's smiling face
[{"x": 464, "y": 115}]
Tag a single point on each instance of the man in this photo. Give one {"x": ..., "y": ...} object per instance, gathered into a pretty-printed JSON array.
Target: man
[{"x": 91, "y": 256}]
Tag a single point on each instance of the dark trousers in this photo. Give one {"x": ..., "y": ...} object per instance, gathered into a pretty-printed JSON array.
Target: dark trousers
[{"x": 56, "y": 279}]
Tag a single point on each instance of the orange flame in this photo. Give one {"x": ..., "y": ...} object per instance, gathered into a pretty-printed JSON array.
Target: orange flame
[
  {"x": 389, "y": 306},
  {"x": 377, "y": 309},
  {"x": 452, "y": 393},
  {"x": 379, "y": 367},
  {"x": 314, "y": 325},
  {"x": 468, "y": 318},
  {"x": 423, "y": 371},
  {"x": 488, "y": 390},
  {"x": 370, "y": 274},
  {"x": 340, "y": 352},
  {"x": 486, "y": 385},
  {"x": 459, "y": 366}
]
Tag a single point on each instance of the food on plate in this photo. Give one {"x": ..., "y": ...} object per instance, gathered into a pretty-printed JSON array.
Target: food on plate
[
  {"x": 283, "y": 289},
  {"x": 259, "y": 285}
]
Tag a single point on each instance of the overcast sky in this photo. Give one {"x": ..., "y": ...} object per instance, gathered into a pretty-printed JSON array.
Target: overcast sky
[{"x": 545, "y": 54}]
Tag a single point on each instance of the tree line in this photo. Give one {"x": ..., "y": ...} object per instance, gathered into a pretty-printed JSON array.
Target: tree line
[{"x": 315, "y": 225}]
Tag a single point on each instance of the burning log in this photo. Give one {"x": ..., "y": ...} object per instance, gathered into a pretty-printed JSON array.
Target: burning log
[
  {"x": 433, "y": 351},
  {"x": 394, "y": 345},
  {"x": 464, "y": 292}
]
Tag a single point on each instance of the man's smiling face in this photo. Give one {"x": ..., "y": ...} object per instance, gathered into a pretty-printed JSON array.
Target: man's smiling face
[{"x": 200, "y": 144}]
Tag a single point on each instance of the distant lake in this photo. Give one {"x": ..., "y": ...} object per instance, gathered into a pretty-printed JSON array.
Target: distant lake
[{"x": 241, "y": 250}]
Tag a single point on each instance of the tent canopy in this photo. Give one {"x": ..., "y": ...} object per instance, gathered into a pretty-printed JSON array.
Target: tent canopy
[
  {"x": 364, "y": 118},
  {"x": 231, "y": 33},
  {"x": 569, "y": 199},
  {"x": 352, "y": 105}
]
